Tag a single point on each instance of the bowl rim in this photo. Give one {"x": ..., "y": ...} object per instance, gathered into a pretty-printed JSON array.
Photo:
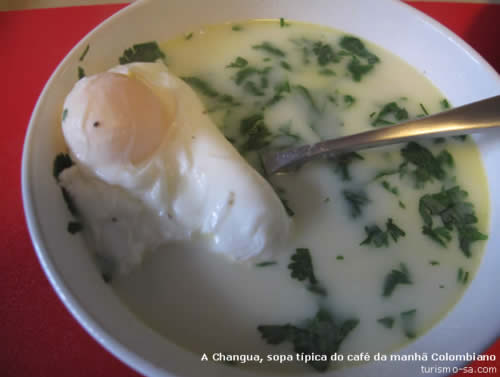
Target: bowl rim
[{"x": 72, "y": 304}]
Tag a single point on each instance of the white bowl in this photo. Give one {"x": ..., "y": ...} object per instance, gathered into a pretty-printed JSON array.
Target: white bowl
[{"x": 461, "y": 74}]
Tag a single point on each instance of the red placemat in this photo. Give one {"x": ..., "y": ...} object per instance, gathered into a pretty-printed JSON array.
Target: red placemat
[{"x": 38, "y": 335}]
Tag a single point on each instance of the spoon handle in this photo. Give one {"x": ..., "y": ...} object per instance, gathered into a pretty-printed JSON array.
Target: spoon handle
[{"x": 468, "y": 119}]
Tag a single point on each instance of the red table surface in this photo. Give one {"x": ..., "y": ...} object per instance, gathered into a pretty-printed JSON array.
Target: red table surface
[{"x": 38, "y": 335}]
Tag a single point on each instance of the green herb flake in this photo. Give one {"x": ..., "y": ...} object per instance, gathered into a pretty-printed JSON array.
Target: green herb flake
[
  {"x": 356, "y": 47},
  {"x": 434, "y": 263},
  {"x": 375, "y": 236},
  {"x": 237, "y": 28},
  {"x": 81, "y": 73},
  {"x": 444, "y": 104},
  {"x": 269, "y": 48},
  {"x": 394, "y": 231},
  {"x": 188, "y": 36},
  {"x": 357, "y": 69},
  {"x": 356, "y": 201},
  {"x": 428, "y": 166},
  {"x": 283, "y": 23},
  {"x": 401, "y": 205},
  {"x": 327, "y": 72},
  {"x": 238, "y": 63},
  {"x": 343, "y": 162},
  {"x": 84, "y": 52},
  {"x": 266, "y": 264},
  {"x": 387, "y": 322},
  {"x": 408, "y": 323},
  {"x": 324, "y": 53},
  {"x": 307, "y": 95},
  {"x": 320, "y": 335},
  {"x": 285, "y": 65},
  {"x": 257, "y": 133},
  {"x": 349, "y": 100},
  {"x": 394, "y": 278},
  {"x": 201, "y": 86},
  {"x": 340, "y": 257},
  {"x": 302, "y": 267},
  {"x": 74, "y": 227},
  {"x": 64, "y": 114},
  {"x": 142, "y": 52},
  {"x": 424, "y": 109},
  {"x": 392, "y": 189},
  {"x": 455, "y": 213},
  {"x": 252, "y": 88},
  {"x": 390, "y": 113},
  {"x": 61, "y": 161}
]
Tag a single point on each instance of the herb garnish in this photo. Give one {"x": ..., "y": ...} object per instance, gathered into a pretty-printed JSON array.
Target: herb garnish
[
  {"x": 324, "y": 53},
  {"x": 408, "y": 322},
  {"x": 394, "y": 278},
  {"x": 202, "y": 86},
  {"x": 81, "y": 73},
  {"x": 378, "y": 238},
  {"x": 307, "y": 95},
  {"x": 319, "y": 335},
  {"x": 188, "y": 36},
  {"x": 387, "y": 322},
  {"x": 64, "y": 114},
  {"x": 302, "y": 269},
  {"x": 462, "y": 276},
  {"x": 257, "y": 134},
  {"x": 390, "y": 114},
  {"x": 342, "y": 163},
  {"x": 283, "y": 23},
  {"x": 142, "y": 52},
  {"x": 356, "y": 200},
  {"x": 428, "y": 165},
  {"x": 238, "y": 63},
  {"x": 285, "y": 65},
  {"x": 61, "y": 161},
  {"x": 74, "y": 227},
  {"x": 236, "y": 28},
  {"x": 392, "y": 189},
  {"x": 356, "y": 47},
  {"x": 269, "y": 48},
  {"x": 455, "y": 213},
  {"x": 84, "y": 53},
  {"x": 266, "y": 264}
]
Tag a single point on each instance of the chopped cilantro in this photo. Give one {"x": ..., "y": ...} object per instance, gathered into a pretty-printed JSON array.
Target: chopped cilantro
[
  {"x": 253, "y": 89},
  {"x": 238, "y": 63},
  {"x": 81, "y": 73},
  {"x": 357, "y": 69},
  {"x": 444, "y": 104},
  {"x": 324, "y": 53},
  {"x": 342, "y": 163},
  {"x": 245, "y": 73},
  {"x": 394, "y": 231},
  {"x": 285, "y": 65},
  {"x": 356, "y": 200},
  {"x": 283, "y": 23},
  {"x": 394, "y": 278},
  {"x": 84, "y": 53},
  {"x": 408, "y": 323},
  {"x": 302, "y": 267},
  {"x": 428, "y": 166},
  {"x": 401, "y": 205},
  {"x": 390, "y": 113},
  {"x": 74, "y": 227},
  {"x": 256, "y": 132},
  {"x": 340, "y": 257},
  {"x": 200, "y": 85},
  {"x": 387, "y": 322},
  {"x": 61, "y": 161},
  {"x": 424, "y": 109},
  {"x": 307, "y": 95},
  {"x": 269, "y": 48},
  {"x": 455, "y": 212},
  {"x": 279, "y": 90},
  {"x": 142, "y": 52},
  {"x": 434, "y": 263},
  {"x": 188, "y": 36},
  {"x": 327, "y": 72},
  {"x": 349, "y": 100},
  {"x": 375, "y": 236},
  {"x": 392, "y": 189},
  {"x": 462, "y": 276},
  {"x": 356, "y": 47},
  {"x": 236, "y": 28},
  {"x": 64, "y": 114},
  {"x": 266, "y": 264},
  {"x": 320, "y": 335}
]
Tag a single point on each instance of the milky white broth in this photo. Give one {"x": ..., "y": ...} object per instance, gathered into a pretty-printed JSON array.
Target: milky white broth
[{"x": 208, "y": 304}]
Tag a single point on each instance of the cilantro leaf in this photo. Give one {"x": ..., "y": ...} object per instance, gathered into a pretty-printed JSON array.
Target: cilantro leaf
[
  {"x": 356, "y": 47},
  {"x": 324, "y": 53},
  {"x": 302, "y": 267},
  {"x": 428, "y": 166},
  {"x": 266, "y": 263},
  {"x": 200, "y": 85},
  {"x": 142, "y": 52},
  {"x": 357, "y": 69},
  {"x": 387, "y": 322},
  {"x": 319, "y": 335},
  {"x": 61, "y": 161},
  {"x": 394, "y": 278},
  {"x": 74, "y": 227},
  {"x": 81, "y": 73},
  {"x": 82, "y": 56},
  {"x": 375, "y": 236},
  {"x": 269, "y": 48},
  {"x": 390, "y": 114},
  {"x": 307, "y": 95},
  {"x": 408, "y": 323},
  {"x": 238, "y": 63},
  {"x": 455, "y": 213},
  {"x": 356, "y": 200},
  {"x": 394, "y": 231},
  {"x": 257, "y": 134},
  {"x": 343, "y": 161}
]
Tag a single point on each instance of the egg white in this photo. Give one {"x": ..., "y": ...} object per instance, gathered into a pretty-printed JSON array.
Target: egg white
[{"x": 194, "y": 186}]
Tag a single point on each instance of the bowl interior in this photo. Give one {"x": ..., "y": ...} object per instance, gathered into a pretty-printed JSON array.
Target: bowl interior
[{"x": 448, "y": 62}]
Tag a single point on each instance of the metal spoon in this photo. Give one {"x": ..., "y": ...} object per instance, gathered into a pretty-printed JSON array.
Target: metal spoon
[{"x": 468, "y": 119}]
